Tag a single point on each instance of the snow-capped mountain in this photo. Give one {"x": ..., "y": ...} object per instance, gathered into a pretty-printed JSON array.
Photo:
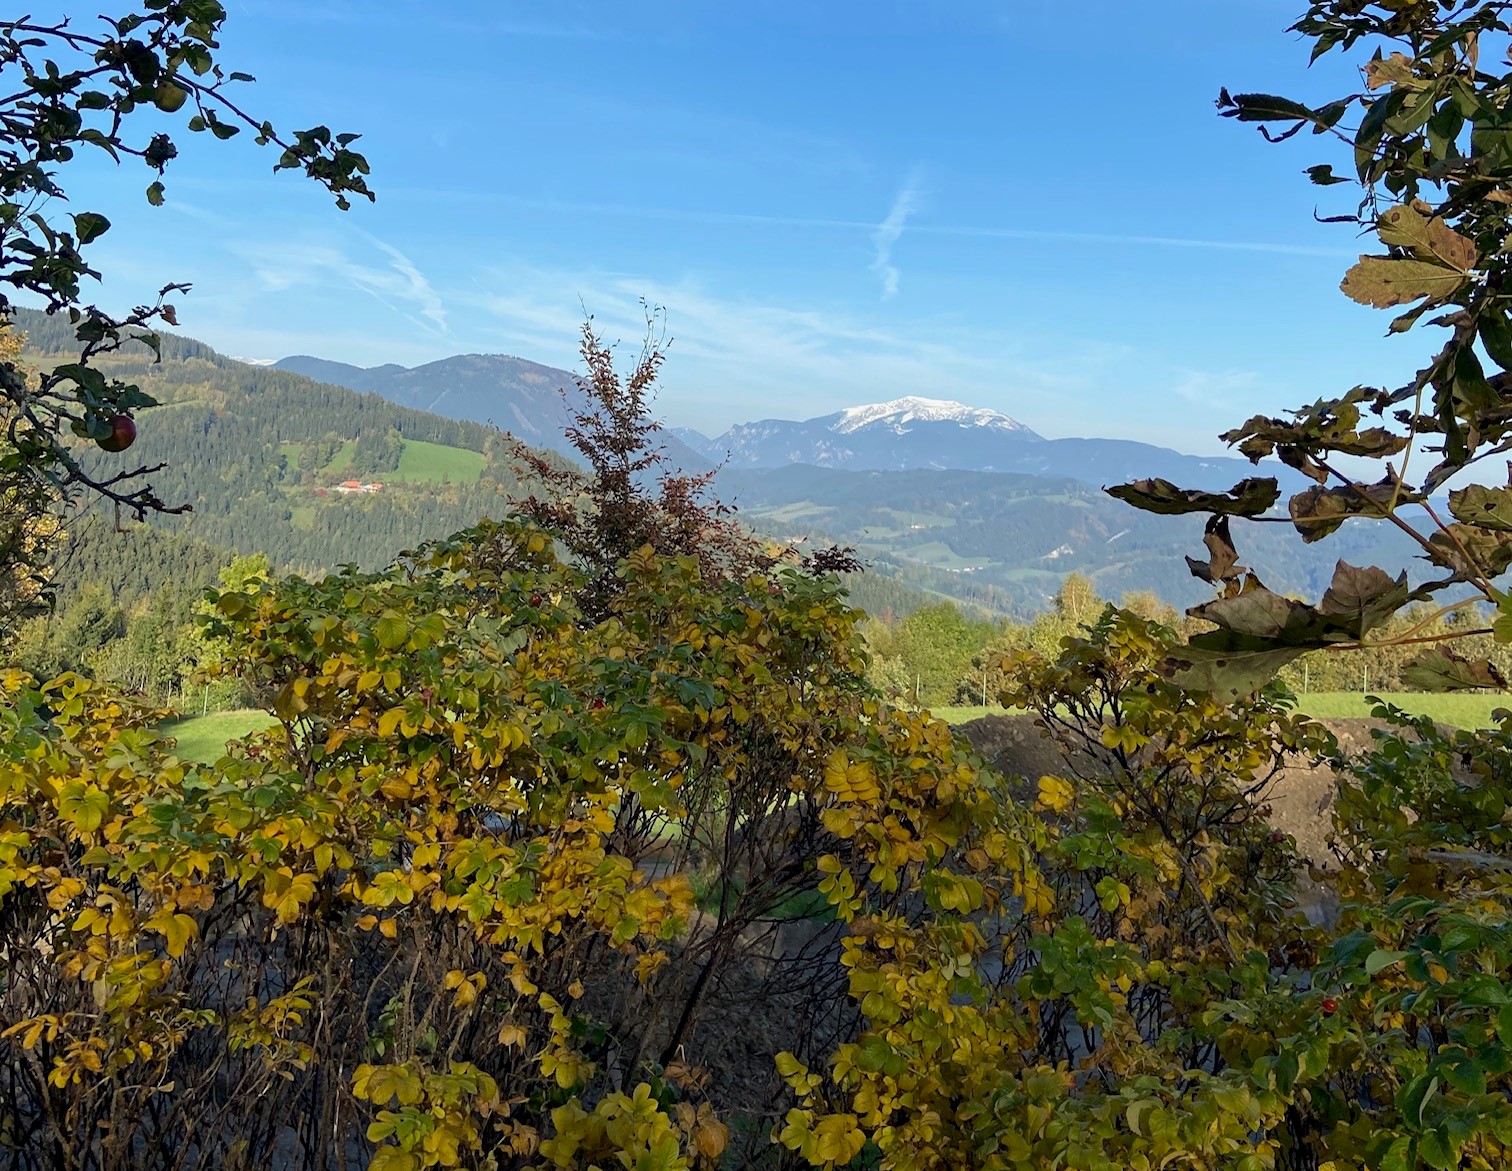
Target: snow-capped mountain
[
  {"x": 903, "y": 433},
  {"x": 934, "y": 433},
  {"x": 900, "y": 415}
]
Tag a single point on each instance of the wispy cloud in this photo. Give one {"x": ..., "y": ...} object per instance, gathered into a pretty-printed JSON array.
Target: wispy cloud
[
  {"x": 886, "y": 234},
  {"x": 399, "y": 284},
  {"x": 737, "y": 359},
  {"x": 1216, "y": 390},
  {"x": 822, "y": 223},
  {"x": 419, "y": 291}
]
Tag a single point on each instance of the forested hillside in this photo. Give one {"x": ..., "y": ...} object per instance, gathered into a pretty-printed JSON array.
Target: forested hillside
[
  {"x": 1006, "y": 542},
  {"x": 259, "y": 455},
  {"x": 527, "y": 399}
]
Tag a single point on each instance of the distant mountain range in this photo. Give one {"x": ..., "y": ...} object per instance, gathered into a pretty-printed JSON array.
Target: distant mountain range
[
  {"x": 950, "y": 499},
  {"x": 923, "y": 433},
  {"x": 525, "y": 398},
  {"x": 945, "y": 500},
  {"x": 1005, "y": 542},
  {"x": 521, "y": 397}
]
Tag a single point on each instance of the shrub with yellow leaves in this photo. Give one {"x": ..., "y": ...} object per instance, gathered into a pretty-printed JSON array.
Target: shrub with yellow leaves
[
  {"x": 443, "y": 911},
  {"x": 1051, "y": 989}
]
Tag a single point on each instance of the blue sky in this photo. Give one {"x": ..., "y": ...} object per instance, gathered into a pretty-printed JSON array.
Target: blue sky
[{"x": 1026, "y": 205}]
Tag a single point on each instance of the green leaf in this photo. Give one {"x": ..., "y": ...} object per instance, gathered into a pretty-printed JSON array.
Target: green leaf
[
  {"x": 1414, "y": 227},
  {"x": 1504, "y": 1026},
  {"x": 85, "y": 805},
  {"x": 1496, "y": 336},
  {"x": 1379, "y": 960},
  {"x": 155, "y": 195},
  {"x": 1439, "y": 1149},
  {"x": 1501, "y": 629},
  {"x": 1463, "y": 1072},
  {"x": 391, "y": 630},
  {"x": 1482, "y": 507},
  {"x": 1228, "y": 664},
  {"x": 88, "y": 226},
  {"x": 1397, "y": 1156},
  {"x": 1413, "y": 1098},
  {"x": 1251, "y": 497},
  {"x": 1443, "y": 670},
  {"x": 1383, "y": 281}
]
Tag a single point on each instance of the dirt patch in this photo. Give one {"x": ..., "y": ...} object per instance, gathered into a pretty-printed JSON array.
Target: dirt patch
[{"x": 1301, "y": 798}]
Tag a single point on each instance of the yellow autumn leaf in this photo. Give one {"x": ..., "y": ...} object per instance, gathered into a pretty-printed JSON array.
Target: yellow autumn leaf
[
  {"x": 177, "y": 931},
  {"x": 426, "y": 855},
  {"x": 512, "y": 1036},
  {"x": 285, "y": 894},
  {"x": 837, "y": 1139},
  {"x": 711, "y": 1137},
  {"x": 852, "y": 781},
  {"x": 1055, "y": 793}
]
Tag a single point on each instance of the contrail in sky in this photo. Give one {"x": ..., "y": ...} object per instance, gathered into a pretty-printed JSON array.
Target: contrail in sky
[
  {"x": 678, "y": 215},
  {"x": 886, "y": 234}
]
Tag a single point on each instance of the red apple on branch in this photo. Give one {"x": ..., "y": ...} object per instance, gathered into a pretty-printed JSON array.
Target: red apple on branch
[{"x": 122, "y": 434}]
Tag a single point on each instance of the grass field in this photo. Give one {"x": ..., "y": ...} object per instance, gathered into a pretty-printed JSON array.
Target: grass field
[
  {"x": 1458, "y": 711},
  {"x": 343, "y": 457},
  {"x": 435, "y": 462},
  {"x": 203, "y": 738}
]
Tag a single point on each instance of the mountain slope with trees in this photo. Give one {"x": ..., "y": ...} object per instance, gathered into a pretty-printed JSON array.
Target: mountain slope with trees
[
  {"x": 259, "y": 456},
  {"x": 1007, "y": 542},
  {"x": 524, "y": 398}
]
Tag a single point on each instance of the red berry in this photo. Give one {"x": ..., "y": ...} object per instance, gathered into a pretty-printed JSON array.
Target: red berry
[
  {"x": 1330, "y": 1006},
  {"x": 598, "y": 704},
  {"x": 1278, "y": 836},
  {"x": 122, "y": 434},
  {"x": 535, "y": 599}
]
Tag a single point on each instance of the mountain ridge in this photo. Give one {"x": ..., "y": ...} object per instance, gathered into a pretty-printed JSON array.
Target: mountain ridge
[
  {"x": 943, "y": 435},
  {"x": 532, "y": 401},
  {"x": 912, "y": 432}
]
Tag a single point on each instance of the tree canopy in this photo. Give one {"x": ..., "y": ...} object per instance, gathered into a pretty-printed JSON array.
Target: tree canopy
[
  {"x": 78, "y": 86},
  {"x": 1425, "y": 139}
]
